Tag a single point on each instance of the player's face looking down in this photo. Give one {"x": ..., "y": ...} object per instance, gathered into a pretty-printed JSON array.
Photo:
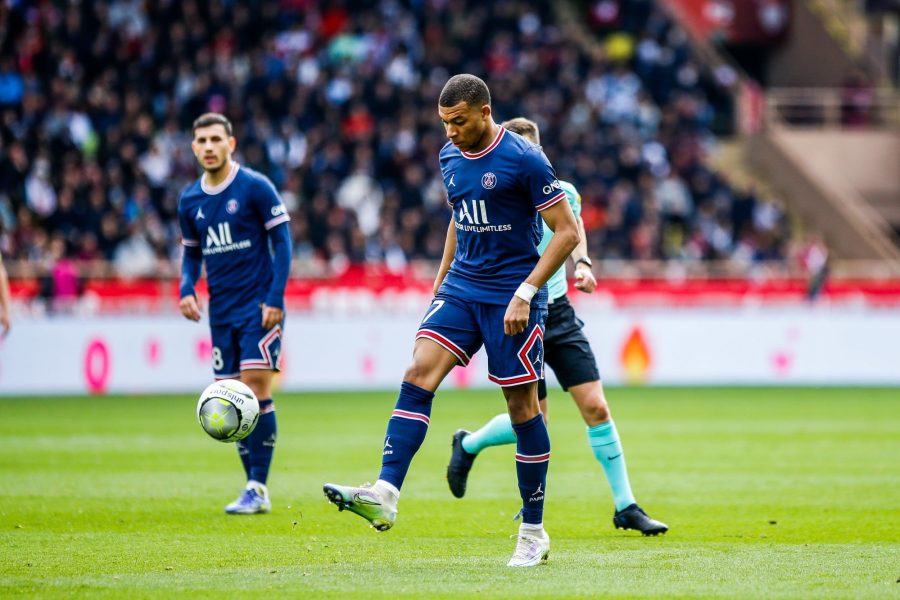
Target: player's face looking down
[
  {"x": 466, "y": 125},
  {"x": 212, "y": 146}
]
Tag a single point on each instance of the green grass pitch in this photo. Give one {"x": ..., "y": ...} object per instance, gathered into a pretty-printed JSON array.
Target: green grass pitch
[{"x": 769, "y": 493}]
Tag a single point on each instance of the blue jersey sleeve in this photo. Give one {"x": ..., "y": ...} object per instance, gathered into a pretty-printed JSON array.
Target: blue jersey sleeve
[
  {"x": 281, "y": 265},
  {"x": 192, "y": 261},
  {"x": 191, "y": 266},
  {"x": 540, "y": 179},
  {"x": 274, "y": 214},
  {"x": 190, "y": 238},
  {"x": 266, "y": 200}
]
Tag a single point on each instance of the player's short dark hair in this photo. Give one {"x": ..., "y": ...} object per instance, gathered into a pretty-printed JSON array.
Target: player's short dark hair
[
  {"x": 465, "y": 88},
  {"x": 524, "y": 127},
  {"x": 211, "y": 118}
]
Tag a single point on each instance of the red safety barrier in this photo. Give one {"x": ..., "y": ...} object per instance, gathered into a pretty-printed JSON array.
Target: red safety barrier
[{"x": 161, "y": 295}]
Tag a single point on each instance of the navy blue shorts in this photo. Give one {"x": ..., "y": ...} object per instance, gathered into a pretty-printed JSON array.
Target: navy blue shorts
[
  {"x": 462, "y": 327},
  {"x": 567, "y": 349},
  {"x": 245, "y": 345}
]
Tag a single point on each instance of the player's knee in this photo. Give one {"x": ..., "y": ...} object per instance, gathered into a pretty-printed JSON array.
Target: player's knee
[
  {"x": 592, "y": 403},
  {"x": 418, "y": 374},
  {"x": 596, "y": 410},
  {"x": 259, "y": 382},
  {"x": 600, "y": 412},
  {"x": 520, "y": 404}
]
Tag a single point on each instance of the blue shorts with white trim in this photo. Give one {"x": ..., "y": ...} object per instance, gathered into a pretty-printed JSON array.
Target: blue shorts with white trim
[
  {"x": 245, "y": 345},
  {"x": 462, "y": 327}
]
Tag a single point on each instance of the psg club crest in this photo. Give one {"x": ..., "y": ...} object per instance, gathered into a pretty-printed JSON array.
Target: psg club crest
[
  {"x": 488, "y": 180},
  {"x": 231, "y": 206}
]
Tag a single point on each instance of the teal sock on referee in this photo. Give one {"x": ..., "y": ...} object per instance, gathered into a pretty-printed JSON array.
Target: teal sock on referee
[
  {"x": 496, "y": 432},
  {"x": 604, "y": 441}
]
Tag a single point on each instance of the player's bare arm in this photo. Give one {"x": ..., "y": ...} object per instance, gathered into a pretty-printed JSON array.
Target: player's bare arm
[
  {"x": 584, "y": 277},
  {"x": 447, "y": 258},
  {"x": 561, "y": 221}
]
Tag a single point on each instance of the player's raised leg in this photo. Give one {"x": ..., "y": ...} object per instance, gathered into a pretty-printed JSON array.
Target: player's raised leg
[
  {"x": 405, "y": 433},
  {"x": 532, "y": 461},
  {"x": 607, "y": 448}
]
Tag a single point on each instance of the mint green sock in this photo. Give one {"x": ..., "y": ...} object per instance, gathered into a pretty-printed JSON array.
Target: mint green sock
[
  {"x": 604, "y": 441},
  {"x": 496, "y": 432}
]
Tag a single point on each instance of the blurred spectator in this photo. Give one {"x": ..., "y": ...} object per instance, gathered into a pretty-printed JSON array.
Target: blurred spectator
[
  {"x": 134, "y": 256},
  {"x": 857, "y": 100},
  {"x": 882, "y": 40},
  {"x": 60, "y": 284},
  {"x": 39, "y": 191},
  {"x": 11, "y": 84},
  {"x": 813, "y": 257}
]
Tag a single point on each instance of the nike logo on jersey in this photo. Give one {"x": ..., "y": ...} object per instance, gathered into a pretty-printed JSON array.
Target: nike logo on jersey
[
  {"x": 200, "y": 214},
  {"x": 614, "y": 457}
]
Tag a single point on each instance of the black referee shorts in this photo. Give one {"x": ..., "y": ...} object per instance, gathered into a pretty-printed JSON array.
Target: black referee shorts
[{"x": 566, "y": 349}]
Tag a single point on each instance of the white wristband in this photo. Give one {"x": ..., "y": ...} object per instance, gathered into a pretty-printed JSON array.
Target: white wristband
[{"x": 526, "y": 292}]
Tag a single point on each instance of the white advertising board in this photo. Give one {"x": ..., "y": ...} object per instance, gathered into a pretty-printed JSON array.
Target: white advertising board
[{"x": 75, "y": 355}]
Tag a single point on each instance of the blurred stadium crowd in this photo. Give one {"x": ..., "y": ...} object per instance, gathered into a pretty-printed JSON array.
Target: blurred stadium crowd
[{"x": 336, "y": 103}]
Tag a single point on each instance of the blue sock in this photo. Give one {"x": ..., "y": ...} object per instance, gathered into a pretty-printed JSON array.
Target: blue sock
[
  {"x": 532, "y": 460},
  {"x": 260, "y": 444},
  {"x": 406, "y": 430},
  {"x": 604, "y": 441},
  {"x": 244, "y": 454},
  {"x": 496, "y": 432}
]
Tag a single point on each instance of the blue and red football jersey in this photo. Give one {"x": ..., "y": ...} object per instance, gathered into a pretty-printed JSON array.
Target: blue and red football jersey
[
  {"x": 496, "y": 195},
  {"x": 229, "y": 223}
]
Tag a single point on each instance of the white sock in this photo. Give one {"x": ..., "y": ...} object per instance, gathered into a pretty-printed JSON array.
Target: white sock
[
  {"x": 387, "y": 490},
  {"x": 260, "y": 488},
  {"x": 536, "y": 530}
]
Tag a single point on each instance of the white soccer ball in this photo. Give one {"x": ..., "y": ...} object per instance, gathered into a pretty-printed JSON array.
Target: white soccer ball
[{"x": 228, "y": 410}]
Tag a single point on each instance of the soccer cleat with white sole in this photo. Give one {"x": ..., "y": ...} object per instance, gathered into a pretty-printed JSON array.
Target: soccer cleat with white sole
[
  {"x": 531, "y": 550},
  {"x": 253, "y": 500},
  {"x": 365, "y": 501}
]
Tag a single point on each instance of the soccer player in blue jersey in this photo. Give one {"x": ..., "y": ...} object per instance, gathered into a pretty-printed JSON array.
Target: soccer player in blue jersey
[
  {"x": 569, "y": 354},
  {"x": 233, "y": 220},
  {"x": 489, "y": 291}
]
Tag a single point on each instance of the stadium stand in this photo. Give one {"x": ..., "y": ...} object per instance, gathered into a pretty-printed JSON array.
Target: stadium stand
[{"x": 335, "y": 102}]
